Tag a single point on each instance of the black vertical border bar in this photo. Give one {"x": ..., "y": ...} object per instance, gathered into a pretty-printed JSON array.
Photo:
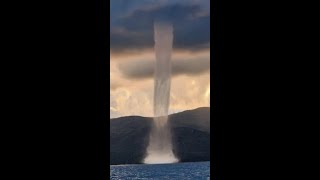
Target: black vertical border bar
[
  {"x": 103, "y": 81},
  {"x": 216, "y": 97}
]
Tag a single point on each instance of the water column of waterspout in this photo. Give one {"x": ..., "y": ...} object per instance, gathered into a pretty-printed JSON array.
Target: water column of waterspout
[{"x": 160, "y": 145}]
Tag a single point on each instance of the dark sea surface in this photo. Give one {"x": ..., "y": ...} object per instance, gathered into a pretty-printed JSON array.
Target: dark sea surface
[{"x": 192, "y": 170}]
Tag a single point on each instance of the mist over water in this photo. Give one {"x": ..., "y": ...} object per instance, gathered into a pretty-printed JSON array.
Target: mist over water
[{"x": 160, "y": 145}]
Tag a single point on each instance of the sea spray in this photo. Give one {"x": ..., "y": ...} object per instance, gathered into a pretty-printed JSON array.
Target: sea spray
[{"x": 160, "y": 145}]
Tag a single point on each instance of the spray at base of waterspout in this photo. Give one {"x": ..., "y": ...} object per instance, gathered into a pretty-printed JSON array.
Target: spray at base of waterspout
[
  {"x": 158, "y": 158},
  {"x": 160, "y": 148}
]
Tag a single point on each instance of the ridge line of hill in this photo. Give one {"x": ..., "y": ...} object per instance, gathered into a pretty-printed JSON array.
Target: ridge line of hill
[{"x": 137, "y": 116}]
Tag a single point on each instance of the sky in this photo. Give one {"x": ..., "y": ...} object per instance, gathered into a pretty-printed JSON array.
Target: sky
[{"x": 132, "y": 55}]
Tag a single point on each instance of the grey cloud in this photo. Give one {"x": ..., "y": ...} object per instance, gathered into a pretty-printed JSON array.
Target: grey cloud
[
  {"x": 114, "y": 85},
  {"x": 145, "y": 68}
]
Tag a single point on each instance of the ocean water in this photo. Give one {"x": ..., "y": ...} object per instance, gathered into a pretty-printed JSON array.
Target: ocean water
[{"x": 193, "y": 170}]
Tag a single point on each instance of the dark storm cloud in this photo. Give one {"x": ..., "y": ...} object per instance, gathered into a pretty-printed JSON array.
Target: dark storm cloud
[
  {"x": 133, "y": 30},
  {"x": 145, "y": 68}
]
